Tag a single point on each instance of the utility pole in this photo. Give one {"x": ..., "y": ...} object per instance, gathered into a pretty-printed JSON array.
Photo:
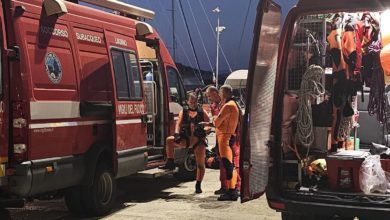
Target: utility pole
[
  {"x": 218, "y": 29},
  {"x": 173, "y": 31}
]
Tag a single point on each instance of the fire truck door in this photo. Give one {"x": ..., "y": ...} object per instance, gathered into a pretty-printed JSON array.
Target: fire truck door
[
  {"x": 130, "y": 130},
  {"x": 256, "y": 125},
  {"x": 4, "y": 96}
]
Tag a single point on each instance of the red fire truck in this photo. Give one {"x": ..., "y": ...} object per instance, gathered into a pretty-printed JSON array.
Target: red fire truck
[
  {"x": 76, "y": 112},
  {"x": 273, "y": 162}
]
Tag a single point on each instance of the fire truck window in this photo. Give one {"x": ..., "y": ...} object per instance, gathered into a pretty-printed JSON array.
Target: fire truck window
[
  {"x": 134, "y": 75},
  {"x": 121, "y": 76},
  {"x": 176, "y": 89}
]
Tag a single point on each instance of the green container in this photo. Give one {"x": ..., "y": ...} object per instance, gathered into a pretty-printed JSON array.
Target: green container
[{"x": 352, "y": 141}]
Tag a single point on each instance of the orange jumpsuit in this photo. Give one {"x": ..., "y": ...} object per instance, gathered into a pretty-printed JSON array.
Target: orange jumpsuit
[
  {"x": 215, "y": 108},
  {"x": 225, "y": 126},
  {"x": 200, "y": 149}
]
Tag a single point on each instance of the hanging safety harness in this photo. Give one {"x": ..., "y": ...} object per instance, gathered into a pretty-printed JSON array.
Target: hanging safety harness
[{"x": 199, "y": 131}]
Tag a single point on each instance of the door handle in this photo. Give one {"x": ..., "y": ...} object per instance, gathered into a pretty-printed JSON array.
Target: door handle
[{"x": 144, "y": 118}]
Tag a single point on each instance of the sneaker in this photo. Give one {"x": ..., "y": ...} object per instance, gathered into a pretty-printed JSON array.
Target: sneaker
[
  {"x": 220, "y": 191},
  {"x": 230, "y": 195},
  {"x": 169, "y": 165}
]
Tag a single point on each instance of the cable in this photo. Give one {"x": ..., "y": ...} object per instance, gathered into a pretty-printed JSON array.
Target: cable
[
  {"x": 215, "y": 37},
  {"x": 192, "y": 43},
  {"x": 178, "y": 39},
  {"x": 242, "y": 34},
  {"x": 311, "y": 88},
  {"x": 201, "y": 39}
]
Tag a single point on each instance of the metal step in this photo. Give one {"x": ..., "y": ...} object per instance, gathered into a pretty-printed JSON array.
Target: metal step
[
  {"x": 155, "y": 173},
  {"x": 156, "y": 148},
  {"x": 155, "y": 157}
]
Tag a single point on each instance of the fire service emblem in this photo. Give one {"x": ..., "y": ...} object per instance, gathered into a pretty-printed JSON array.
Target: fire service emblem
[{"x": 53, "y": 67}]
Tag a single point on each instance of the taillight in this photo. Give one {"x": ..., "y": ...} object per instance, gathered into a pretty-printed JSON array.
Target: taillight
[
  {"x": 277, "y": 205},
  {"x": 20, "y": 132}
]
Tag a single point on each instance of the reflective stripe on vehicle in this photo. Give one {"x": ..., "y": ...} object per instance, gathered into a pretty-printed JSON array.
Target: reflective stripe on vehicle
[{"x": 67, "y": 124}]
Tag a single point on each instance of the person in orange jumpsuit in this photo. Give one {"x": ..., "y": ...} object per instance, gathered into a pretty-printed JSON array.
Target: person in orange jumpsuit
[
  {"x": 189, "y": 137},
  {"x": 225, "y": 127},
  {"x": 212, "y": 94}
]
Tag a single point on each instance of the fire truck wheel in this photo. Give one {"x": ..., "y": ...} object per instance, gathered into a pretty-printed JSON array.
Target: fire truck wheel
[
  {"x": 73, "y": 200},
  {"x": 99, "y": 198},
  {"x": 187, "y": 170}
]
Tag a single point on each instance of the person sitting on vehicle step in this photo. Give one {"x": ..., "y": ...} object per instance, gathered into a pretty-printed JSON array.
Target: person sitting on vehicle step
[
  {"x": 225, "y": 127},
  {"x": 189, "y": 132}
]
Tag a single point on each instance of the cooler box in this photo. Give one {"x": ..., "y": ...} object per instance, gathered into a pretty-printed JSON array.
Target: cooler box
[
  {"x": 343, "y": 170},
  {"x": 385, "y": 164}
]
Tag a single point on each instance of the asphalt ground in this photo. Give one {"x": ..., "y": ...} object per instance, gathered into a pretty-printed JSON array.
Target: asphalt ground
[{"x": 161, "y": 198}]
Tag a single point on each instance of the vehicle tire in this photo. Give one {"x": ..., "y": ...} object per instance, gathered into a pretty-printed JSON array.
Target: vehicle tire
[
  {"x": 73, "y": 200},
  {"x": 99, "y": 198},
  {"x": 187, "y": 170}
]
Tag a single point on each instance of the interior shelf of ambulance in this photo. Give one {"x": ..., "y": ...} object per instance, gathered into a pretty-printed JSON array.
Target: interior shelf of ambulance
[{"x": 335, "y": 144}]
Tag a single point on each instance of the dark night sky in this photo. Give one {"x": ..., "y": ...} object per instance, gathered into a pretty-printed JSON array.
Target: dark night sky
[{"x": 232, "y": 17}]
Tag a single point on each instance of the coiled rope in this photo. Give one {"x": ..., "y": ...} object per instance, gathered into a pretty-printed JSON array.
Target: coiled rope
[{"x": 311, "y": 89}]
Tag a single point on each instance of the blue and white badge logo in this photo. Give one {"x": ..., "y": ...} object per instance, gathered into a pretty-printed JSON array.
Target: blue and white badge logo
[{"x": 53, "y": 67}]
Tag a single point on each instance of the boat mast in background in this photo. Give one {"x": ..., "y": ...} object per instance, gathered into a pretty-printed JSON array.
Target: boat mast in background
[{"x": 192, "y": 44}]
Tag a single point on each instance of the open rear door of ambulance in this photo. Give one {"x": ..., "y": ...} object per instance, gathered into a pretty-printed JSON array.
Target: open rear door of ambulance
[{"x": 256, "y": 125}]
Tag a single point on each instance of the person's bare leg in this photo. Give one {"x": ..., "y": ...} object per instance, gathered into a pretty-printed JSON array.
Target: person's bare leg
[{"x": 200, "y": 155}]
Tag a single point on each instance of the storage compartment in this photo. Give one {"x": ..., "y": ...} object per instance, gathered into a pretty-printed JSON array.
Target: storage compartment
[{"x": 326, "y": 113}]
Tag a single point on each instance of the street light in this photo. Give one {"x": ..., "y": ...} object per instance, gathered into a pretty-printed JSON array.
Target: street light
[{"x": 218, "y": 29}]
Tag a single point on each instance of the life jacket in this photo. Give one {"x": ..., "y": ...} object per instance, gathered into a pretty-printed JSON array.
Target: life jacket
[
  {"x": 334, "y": 39},
  {"x": 187, "y": 121},
  {"x": 350, "y": 45}
]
